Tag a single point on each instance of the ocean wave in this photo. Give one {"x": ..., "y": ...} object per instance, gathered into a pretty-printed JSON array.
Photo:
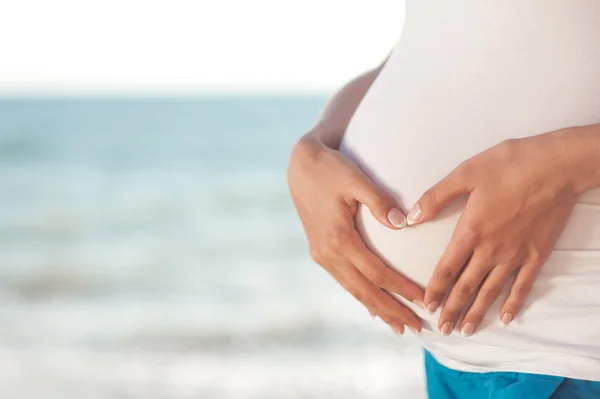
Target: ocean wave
[
  {"x": 22, "y": 146},
  {"x": 56, "y": 284},
  {"x": 309, "y": 333},
  {"x": 355, "y": 373},
  {"x": 188, "y": 325}
]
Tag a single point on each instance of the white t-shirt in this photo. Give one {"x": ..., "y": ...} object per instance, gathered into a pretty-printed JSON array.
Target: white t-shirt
[{"x": 466, "y": 75}]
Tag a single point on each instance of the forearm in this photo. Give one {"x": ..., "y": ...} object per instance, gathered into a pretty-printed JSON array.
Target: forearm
[{"x": 338, "y": 112}]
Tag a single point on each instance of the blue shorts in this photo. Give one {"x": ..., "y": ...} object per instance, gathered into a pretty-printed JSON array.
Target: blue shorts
[{"x": 445, "y": 383}]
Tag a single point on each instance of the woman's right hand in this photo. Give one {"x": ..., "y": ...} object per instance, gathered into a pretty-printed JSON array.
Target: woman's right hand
[{"x": 327, "y": 188}]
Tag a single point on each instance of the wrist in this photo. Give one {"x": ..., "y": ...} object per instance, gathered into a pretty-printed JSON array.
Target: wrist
[
  {"x": 305, "y": 153},
  {"x": 579, "y": 148}
]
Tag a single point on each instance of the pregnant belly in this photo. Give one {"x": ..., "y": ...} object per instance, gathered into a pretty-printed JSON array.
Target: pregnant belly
[{"x": 460, "y": 81}]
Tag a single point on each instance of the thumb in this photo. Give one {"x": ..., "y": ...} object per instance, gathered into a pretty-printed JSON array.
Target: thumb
[
  {"x": 382, "y": 205},
  {"x": 436, "y": 198}
]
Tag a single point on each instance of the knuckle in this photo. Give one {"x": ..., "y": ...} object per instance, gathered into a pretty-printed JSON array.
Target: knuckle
[
  {"x": 436, "y": 296},
  {"x": 378, "y": 278},
  {"x": 367, "y": 299},
  {"x": 437, "y": 291},
  {"x": 470, "y": 231},
  {"x": 475, "y": 316},
  {"x": 466, "y": 289},
  {"x": 319, "y": 255},
  {"x": 512, "y": 255},
  {"x": 336, "y": 240},
  {"x": 430, "y": 198},
  {"x": 490, "y": 252},
  {"x": 505, "y": 148},
  {"x": 380, "y": 201},
  {"x": 354, "y": 177},
  {"x": 447, "y": 274},
  {"x": 464, "y": 170},
  {"x": 534, "y": 258},
  {"x": 512, "y": 306},
  {"x": 489, "y": 294},
  {"x": 521, "y": 290},
  {"x": 398, "y": 314},
  {"x": 451, "y": 312}
]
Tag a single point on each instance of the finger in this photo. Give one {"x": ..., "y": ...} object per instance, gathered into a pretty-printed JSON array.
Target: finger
[
  {"x": 438, "y": 196},
  {"x": 519, "y": 290},
  {"x": 382, "y": 205},
  {"x": 373, "y": 268},
  {"x": 463, "y": 290},
  {"x": 490, "y": 290},
  {"x": 383, "y": 304},
  {"x": 339, "y": 277},
  {"x": 448, "y": 268},
  {"x": 396, "y": 327}
]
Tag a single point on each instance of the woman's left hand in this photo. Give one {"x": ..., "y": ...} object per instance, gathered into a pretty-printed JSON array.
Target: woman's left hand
[{"x": 521, "y": 193}]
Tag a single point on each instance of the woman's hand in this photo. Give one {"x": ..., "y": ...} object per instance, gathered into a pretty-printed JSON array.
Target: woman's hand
[
  {"x": 327, "y": 189},
  {"x": 521, "y": 193}
]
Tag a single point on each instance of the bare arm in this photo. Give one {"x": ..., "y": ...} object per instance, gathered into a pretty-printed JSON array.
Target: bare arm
[
  {"x": 327, "y": 188},
  {"x": 521, "y": 193},
  {"x": 334, "y": 119}
]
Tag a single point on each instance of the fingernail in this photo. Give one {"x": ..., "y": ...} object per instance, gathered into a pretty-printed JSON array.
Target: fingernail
[
  {"x": 432, "y": 307},
  {"x": 397, "y": 218},
  {"x": 373, "y": 316},
  {"x": 414, "y": 330},
  {"x": 506, "y": 319},
  {"x": 467, "y": 329},
  {"x": 447, "y": 328},
  {"x": 414, "y": 215},
  {"x": 419, "y": 304},
  {"x": 397, "y": 330}
]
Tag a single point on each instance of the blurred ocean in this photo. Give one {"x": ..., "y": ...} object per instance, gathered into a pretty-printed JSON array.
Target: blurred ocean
[{"x": 149, "y": 249}]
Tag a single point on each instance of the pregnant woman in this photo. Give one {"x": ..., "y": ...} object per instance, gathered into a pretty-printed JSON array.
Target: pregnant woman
[{"x": 484, "y": 121}]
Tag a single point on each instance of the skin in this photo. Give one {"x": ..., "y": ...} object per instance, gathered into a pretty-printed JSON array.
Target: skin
[
  {"x": 521, "y": 193},
  {"x": 327, "y": 188}
]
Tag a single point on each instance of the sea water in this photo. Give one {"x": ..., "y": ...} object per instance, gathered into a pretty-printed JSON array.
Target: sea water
[{"x": 149, "y": 249}]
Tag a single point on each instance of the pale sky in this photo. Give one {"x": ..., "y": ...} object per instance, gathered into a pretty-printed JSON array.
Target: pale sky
[{"x": 52, "y": 46}]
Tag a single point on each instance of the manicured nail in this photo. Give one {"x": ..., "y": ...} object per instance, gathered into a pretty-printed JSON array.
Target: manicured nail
[
  {"x": 506, "y": 319},
  {"x": 414, "y": 215},
  {"x": 414, "y": 330},
  {"x": 419, "y": 304},
  {"x": 397, "y": 218},
  {"x": 433, "y": 306},
  {"x": 467, "y": 329},
  {"x": 397, "y": 330},
  {"x": 447, "y": 328}
]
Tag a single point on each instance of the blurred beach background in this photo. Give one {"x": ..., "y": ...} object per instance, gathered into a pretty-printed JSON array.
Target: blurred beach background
[{"x": 148, "y": 244}]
